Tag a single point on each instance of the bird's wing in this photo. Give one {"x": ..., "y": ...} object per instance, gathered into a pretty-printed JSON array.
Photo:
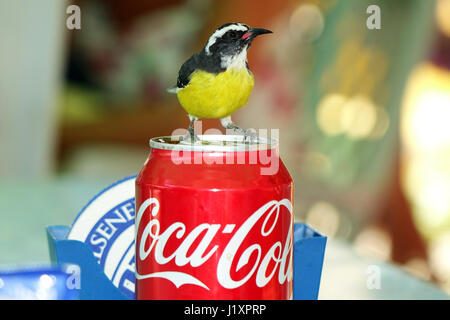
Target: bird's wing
[
  {"x": 186, "y": 70},
  {"x": 184, "y": 74},
  {"x": 198, "y": 61}
]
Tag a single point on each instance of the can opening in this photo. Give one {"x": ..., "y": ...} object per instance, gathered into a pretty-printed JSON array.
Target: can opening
[{"x": 213, "y": 142}]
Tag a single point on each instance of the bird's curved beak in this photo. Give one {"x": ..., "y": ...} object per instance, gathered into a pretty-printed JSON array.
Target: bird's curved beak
[{"x": 253, "y": 33}]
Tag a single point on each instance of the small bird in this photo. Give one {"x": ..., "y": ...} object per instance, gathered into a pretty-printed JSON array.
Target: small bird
[{"x": 217, "y": 81}]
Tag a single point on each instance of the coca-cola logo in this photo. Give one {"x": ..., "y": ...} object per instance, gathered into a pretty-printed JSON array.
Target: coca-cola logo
[{"x": 152, "y": 241}]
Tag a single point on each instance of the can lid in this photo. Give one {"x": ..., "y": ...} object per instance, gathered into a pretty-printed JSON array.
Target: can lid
[{"x": 214, "y": 143}]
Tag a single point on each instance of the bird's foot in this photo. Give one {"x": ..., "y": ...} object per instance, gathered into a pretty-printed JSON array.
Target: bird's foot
[
  {"x": 250, "y": 136},
  {"x": 190, "y": 137}
]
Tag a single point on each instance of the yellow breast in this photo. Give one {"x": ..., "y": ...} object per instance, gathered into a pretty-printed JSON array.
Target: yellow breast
[{"x": 216, "y": 96}]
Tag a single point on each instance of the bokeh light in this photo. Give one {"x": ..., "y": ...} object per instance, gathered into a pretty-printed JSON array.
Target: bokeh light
[
  {"x": 329, "y": 113},
  {"x": 324, "y": 217},
  {"x": 357, "y": 117},
  {"x": 442, "y": 13},
  {"x": 306, "y": 23},
  {"x": 374, "y": 242},
  {"x": 425, "y": 135}
]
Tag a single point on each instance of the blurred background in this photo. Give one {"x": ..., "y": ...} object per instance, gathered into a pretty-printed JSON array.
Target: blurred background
[{"x": 363, "y": 113}]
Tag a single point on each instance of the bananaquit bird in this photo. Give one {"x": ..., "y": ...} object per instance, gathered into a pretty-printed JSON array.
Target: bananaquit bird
[{"x": 216, "y": 81}]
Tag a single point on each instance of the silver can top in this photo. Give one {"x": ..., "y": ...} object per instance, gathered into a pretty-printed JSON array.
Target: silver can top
[{"x": 214, "y": 143}]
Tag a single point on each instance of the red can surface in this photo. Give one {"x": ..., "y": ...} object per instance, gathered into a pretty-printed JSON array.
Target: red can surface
[{"x": 213, "y": 221}]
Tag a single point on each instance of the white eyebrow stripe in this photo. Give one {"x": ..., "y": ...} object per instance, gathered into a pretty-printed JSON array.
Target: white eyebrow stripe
[{"x": 221, "y": 32}]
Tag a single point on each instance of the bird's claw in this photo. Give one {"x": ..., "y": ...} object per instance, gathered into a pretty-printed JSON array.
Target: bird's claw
[
  {"x": 250, "y": 136},
  {"x": 192, "y": 138}
]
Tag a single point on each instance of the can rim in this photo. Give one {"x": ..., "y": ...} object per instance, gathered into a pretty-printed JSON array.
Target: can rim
[{"x": 213, "y": 143}]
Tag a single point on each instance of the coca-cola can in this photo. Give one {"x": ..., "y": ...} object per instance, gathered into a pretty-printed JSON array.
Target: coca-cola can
[{"x": 214, "y": 220}]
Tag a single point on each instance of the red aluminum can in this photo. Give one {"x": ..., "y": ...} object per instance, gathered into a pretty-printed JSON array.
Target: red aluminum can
[{"x": 213, "y": 221}]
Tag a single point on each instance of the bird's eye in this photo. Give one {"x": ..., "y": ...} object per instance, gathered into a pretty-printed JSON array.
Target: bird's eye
[{"x": 232, "y": 34}]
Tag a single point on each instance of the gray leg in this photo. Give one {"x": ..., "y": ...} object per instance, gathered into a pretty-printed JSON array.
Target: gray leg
[
  {"x": 227, "y": 123},
  {"x": 191, "y": 136}
]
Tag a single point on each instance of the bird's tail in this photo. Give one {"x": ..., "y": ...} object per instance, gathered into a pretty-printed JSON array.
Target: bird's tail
[{"x": 173, "y": 89}]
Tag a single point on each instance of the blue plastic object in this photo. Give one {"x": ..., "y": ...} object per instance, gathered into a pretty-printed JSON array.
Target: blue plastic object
[
  {"x": 94, "y": 284},
  {"x": 309, "y": 249},
  {"x": 37, "y": 283}
]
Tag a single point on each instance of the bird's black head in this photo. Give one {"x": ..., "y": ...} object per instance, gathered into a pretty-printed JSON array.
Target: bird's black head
[{"x": 232, "y": 40}]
